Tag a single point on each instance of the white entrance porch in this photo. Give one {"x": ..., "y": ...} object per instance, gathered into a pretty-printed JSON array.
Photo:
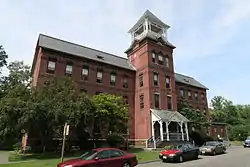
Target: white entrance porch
[{"x": 168, "y": 126}]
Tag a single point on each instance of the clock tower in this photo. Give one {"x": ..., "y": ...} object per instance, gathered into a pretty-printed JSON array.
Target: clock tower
[{"x": 152, "y": 55}]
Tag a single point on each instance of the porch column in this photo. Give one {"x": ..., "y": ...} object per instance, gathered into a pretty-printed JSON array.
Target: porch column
[
  {"x": 182, "y": 134},
  {"x": 167, "y": 123},
  {"x": 161, "y": 130},
  {"x": 152, "y": 129},
  {"x": 186, "y": 129}
]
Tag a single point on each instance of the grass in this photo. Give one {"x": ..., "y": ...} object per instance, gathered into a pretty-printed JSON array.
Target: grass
[
  {"x": 51, "y": 160},
  {"x": 236, "y": 143}
]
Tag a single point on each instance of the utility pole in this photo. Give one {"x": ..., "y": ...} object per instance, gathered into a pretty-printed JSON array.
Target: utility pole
[{"x": 65, "y": 133}]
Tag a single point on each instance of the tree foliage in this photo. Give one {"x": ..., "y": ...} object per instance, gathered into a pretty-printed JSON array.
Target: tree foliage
[
  {"x": 43, "y": 110},
  {"x": 195, "y": 116},
  {"x": 111, "y": 112},
  {"x": 3, "y": 57},
  {"x": 236, "y": 116}
]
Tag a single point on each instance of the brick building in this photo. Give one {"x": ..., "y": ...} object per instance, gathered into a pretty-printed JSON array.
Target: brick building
[{"x": 146, "y": 79}]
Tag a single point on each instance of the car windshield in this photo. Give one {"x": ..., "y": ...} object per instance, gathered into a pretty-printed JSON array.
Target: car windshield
[
  {"x": 88, "y": 155},
  {"x": 175, "y": 147},
  {"x": 211, "y": 143}
]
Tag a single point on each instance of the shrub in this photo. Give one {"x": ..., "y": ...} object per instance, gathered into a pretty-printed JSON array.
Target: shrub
[{"x": 115, "y": 140}]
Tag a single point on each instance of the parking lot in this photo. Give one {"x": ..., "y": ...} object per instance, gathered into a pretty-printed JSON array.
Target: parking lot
[{"x": 235, "y": 157}]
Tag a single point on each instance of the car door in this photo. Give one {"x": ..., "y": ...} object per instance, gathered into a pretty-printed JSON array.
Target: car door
[
  {"x": 186, "y": 152},
  {"x": 117, "y": 159},
  {"x": 103, "y": 159}
]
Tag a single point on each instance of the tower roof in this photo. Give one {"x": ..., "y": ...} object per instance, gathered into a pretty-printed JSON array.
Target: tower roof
[{"x": 149, "y": 15}]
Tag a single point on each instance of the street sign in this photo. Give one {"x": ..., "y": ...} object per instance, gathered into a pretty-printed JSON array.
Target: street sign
[{"x": 65, "y": 133}]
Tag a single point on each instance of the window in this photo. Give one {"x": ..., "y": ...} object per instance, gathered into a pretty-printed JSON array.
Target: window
[
  {"x": 157, "y": 100},
  {"x": 141, "y": 101},
  {"x": 82, "y": 90},
  {"x": 141, "y": 80},
  {"x": 97, "y": 93},
  {"x": 69, "y": 69},
  {"x": 104, "y": 154},
  {"x": 153, "y": 57},
  {"x": 189, "y": 94},
  {"x": 99, "y": 75},
  {"x": 51, "y": 66},
  {"x": 85, "y": 72},
  {"x": 155, "y": 79},
  {"x": 114, "y": 153},
  {"x": 203, "y": 97},
  {"x": 160, "y": 59},
  {"x": 181, "y": 93},
  {"x": 167, "y": 62},
  {"x": 198, "y": 108},
  {"x": 167, "y": 82},
  {"x": 221, "y": 130},
  {"x": 215, "y": 130},
  {"x": 169, "y": 102},
  {"x": 196, "y": 96},
  {"x": 112, "y": 78},
  {"x": 125, "y": 81},
  {"x": 125, "y": 99},
  {"x": 205, "y": 111}
]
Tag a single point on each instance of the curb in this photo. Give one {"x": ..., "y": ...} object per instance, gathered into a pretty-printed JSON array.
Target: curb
[{"x": 141, "y": 163}]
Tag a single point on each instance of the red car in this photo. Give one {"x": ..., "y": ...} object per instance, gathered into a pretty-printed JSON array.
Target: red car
[
  {"x": 180, "y": 153},
  {"x": 102, "y": 157}
]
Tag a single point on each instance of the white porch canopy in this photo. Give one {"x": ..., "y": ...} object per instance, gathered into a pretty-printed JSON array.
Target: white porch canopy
[{"x": 166, "y": 117}]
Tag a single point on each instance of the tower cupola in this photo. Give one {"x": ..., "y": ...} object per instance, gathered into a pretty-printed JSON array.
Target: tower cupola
[{"x": 149, "y": 26}]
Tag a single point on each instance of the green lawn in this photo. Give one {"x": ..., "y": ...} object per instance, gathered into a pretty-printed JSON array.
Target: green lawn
[
  {"x": 51, "y": 161},
  {"x": 236, "y": 143}
]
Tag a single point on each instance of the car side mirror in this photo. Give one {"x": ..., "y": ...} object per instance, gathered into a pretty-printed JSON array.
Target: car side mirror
[{"x": 96, "y": 158}]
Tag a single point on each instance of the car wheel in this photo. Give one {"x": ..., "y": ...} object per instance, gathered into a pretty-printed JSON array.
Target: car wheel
[
  {"x": 214, "y": 153},
  {"x": 181, "y": 159},
  {"x": 126, "y": 165}
]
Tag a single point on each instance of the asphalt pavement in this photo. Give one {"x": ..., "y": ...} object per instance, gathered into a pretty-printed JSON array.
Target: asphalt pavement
[{"x": 235, "y": 157}]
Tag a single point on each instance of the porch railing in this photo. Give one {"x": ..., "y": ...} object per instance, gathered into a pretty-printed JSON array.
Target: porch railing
[{"x": 174, "y": 136}]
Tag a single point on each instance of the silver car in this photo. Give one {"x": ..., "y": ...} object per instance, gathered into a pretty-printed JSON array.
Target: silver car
[{"x": 212, "y": 148}]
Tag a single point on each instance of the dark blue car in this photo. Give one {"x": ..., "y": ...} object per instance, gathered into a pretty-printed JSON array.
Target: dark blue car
[{"x": 247, "y": 142}]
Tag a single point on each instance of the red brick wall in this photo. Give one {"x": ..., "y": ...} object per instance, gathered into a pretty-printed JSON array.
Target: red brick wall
[
  {"x": 202, "y": 105},
  {"x": 218, "y": 130},
  {"x": 91, "y": 86},
  {"x": 140, "y": 57}
]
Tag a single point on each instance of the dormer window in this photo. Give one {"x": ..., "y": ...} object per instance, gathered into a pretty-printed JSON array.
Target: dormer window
[
  {"x": 160, "y": 59},
  {"x": 186, "y": 80},
  {"x": 99, "y": 57}
]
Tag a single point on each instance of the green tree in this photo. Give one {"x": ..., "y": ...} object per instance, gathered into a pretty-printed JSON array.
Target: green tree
[
  {"x": 195, "y": 116},
  {"x": 111, "y": 113},
  {"x": 13, "y": 99},
  {"x": 50, "y": 106},
  {"x": 3, "y": 57}
]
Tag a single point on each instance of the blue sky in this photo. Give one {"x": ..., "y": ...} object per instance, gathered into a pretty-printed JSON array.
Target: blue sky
[{"x": 212, "y": 37}]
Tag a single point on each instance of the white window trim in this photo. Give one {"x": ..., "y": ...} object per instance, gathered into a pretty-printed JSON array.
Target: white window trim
[
  {"x": 167, "y": 61},
  {"x": 85, "y": 71},
  {"x": 99, "y": 75},
  {"x": 160, "y": 57},
  {"x": 51, "y": 65},
  {"x": 113, "y": 77},
  {"x": 69, "y": 69}
]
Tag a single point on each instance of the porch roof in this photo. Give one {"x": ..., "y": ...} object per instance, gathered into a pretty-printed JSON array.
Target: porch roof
[{"x": 169, "y": 116}]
